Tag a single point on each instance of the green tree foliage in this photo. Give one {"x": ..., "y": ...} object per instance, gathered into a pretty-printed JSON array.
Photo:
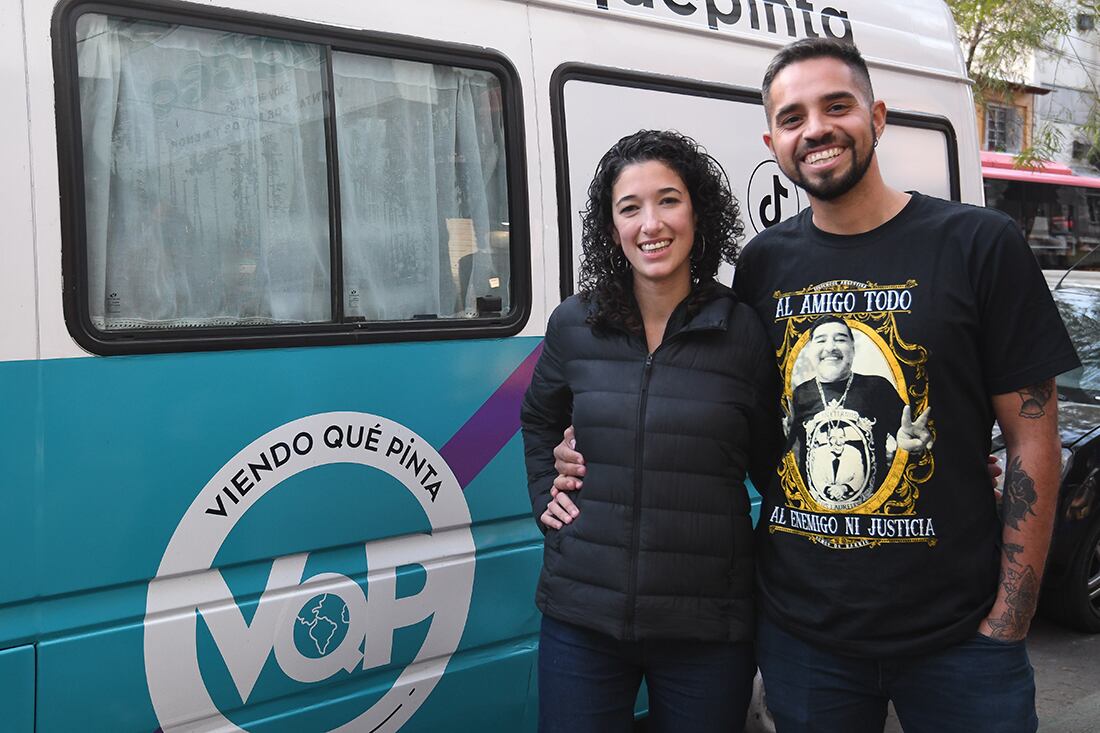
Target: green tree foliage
[{"x": 999, "y": 38}]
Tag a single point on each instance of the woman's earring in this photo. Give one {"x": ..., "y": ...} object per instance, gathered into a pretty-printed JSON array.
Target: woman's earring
[{"x": 702, "y": 249}]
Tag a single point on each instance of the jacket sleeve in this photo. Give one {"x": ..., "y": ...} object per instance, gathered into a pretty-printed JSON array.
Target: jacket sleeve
[
  {"x": 547, "y": 410},
  {"x": 765, "y": 428}
]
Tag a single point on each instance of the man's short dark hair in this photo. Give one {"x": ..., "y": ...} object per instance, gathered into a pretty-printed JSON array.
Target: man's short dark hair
[
  {"x": 816, "y": 48},
  {"x": 826, "y": 320}
]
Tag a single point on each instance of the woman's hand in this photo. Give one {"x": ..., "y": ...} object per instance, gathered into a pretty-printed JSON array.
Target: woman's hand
[
  {"x": 568, "y": 463},
  {"x": 560, "y": 511}
]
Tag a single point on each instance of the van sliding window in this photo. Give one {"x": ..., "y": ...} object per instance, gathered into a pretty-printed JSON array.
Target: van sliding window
[
  {"x": 204, "y": 177},
  {"x": 239, "y": 189},
  {"x": 423, "y": 188}
]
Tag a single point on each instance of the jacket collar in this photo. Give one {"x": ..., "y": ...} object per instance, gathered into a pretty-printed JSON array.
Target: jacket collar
[{"x": 713, "y": 316}]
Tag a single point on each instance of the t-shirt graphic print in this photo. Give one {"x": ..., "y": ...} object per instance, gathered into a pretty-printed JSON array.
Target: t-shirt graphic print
[{"x": 855, "y": 394}]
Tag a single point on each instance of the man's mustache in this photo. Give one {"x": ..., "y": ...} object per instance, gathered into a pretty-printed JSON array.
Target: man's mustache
[
  {"x": 831, "y": 354},
  {"x": 830, "y": 138}
]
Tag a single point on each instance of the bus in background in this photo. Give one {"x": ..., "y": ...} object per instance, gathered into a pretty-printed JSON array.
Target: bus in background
[
  {"x": 275, "y": 278},
  {"x": 1057, "y": 210}
]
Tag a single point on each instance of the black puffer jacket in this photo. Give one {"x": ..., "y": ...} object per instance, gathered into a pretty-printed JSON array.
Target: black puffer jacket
[{"x": 663, "y": 544}]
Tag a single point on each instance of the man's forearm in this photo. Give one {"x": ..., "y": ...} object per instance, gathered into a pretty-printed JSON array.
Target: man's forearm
[{"x": 1027, "y": 513}]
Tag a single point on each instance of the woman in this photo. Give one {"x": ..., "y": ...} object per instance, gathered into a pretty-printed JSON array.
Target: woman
[{"x": 670, "y": 384}]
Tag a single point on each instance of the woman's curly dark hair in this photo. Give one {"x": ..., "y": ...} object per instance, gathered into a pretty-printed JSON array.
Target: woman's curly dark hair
[{"x": 605, "y": 275}]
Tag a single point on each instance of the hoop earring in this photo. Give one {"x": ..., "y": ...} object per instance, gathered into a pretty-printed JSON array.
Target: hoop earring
[{"x": 702, "y": 249}]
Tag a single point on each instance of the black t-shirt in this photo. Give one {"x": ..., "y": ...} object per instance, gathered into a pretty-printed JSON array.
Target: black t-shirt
[{"x": 864, "y": 548}]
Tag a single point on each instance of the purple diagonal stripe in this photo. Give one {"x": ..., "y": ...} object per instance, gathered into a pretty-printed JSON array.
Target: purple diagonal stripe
[{"x": 495, "y": 422}]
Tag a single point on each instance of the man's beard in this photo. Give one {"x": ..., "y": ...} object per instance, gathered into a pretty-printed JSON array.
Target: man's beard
[{"x": 831, "y": 187}]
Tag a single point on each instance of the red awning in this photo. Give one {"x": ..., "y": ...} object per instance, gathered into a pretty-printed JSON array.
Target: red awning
[{"x": 1001, "y": 167}]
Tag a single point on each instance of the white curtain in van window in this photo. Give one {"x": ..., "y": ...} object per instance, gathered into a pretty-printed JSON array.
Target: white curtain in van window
[
  {"x": 205, "y": 177},
  {"x": 422, "y": 187}
]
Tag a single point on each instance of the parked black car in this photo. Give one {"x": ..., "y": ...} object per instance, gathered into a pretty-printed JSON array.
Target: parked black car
[{"x": 1071, "y": 586}]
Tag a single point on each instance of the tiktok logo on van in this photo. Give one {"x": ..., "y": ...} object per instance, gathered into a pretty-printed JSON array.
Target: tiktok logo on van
[
  {"x": 771, "y": 196},
  {"x": 318, "y": 625}
]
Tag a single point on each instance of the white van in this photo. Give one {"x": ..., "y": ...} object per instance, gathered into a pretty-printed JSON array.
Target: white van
[{"x": 274, "y": 277}]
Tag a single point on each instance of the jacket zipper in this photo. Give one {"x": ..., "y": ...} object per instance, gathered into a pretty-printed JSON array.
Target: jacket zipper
[
  {"x": 635, "y": 532},
  {"x": 639, "y": 450}
]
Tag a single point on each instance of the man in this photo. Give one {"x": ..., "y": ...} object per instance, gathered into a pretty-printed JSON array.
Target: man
[
  {"x": 845, "y": 427},
  {"x": 918, "y": 592}
]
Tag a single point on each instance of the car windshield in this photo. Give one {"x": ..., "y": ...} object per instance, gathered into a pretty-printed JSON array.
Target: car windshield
[{"x": 1080, "y": 309}]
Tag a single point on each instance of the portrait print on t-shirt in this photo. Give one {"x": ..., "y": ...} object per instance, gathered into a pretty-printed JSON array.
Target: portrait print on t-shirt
[{"x": 855, "y": 401}]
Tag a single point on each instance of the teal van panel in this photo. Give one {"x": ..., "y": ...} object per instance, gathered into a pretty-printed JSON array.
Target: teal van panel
[
  {"x": 17, "y": 689},
  {"x": 120, "y": 433},
  {"x": 21, "y": 454},
  {"x": 94, "y": 697},
  {"x": 117, "y": 451},
  {"x": 499, "y": 490},
  {"x": 754, "y": 500},
  {"x": 97, "y": 681},
  {"x": 99, "y": 446}
]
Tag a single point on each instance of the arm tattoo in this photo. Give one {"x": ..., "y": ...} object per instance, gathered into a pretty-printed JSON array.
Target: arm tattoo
[
  {"x": 1019, "y": 495},
  {"x": 1021, "y": 595},
  {"x": 1011, "y": 550},
  {"x": 1035, "y": 399}
]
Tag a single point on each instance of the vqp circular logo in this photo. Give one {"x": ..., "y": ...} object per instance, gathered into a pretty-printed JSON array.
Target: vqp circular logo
[{"x": 314, "y": 626}]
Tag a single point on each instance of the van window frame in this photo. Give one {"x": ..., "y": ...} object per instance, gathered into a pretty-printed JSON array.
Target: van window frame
[
  {"x": 330, "y": 39},
  {"x": 690, "y": 87}
]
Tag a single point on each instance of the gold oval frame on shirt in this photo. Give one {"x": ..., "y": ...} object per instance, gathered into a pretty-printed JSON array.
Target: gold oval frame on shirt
[{"x": 898, "y": 492}]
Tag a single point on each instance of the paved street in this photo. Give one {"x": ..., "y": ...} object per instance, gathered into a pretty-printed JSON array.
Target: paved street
[
  {"x": 1067, "y": 677},
  {"x": 1067, "y": 672}
]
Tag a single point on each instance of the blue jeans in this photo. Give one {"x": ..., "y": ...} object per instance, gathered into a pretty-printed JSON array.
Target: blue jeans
[
  {"x": 588, "y": 682},
  {"x": 978, "y": 685}
]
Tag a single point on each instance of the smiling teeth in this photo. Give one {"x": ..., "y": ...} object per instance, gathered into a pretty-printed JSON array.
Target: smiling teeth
[
  {"x": 654, "y": 246},
  {"x": 823, "y": 155}
]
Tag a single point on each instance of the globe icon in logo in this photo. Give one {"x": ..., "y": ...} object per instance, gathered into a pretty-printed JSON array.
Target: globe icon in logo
[{"x": 321, "y": 625}]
